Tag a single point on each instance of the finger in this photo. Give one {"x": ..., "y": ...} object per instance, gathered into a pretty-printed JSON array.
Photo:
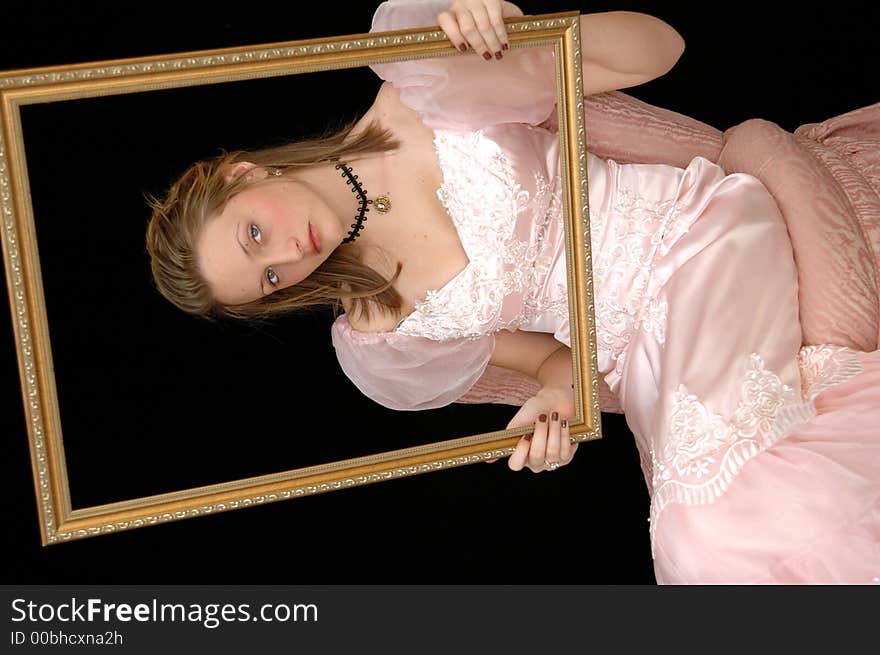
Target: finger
[
  {"x": 554, "y": 444},
  {"x": 448, "y": 24},
  {"x": 487, "y": 31},
  {"x": 491, "y": 461},
  {"x": 538, "y": 450},
  {"x": 471, "y": 33},
  {"x": 496, "y": 18},
  {"x": 565, "y": 446},
  {"x": 520, "y": 454}
]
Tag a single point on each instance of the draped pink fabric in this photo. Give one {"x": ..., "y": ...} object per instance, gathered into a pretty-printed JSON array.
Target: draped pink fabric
[
  {"x": 444, "y": 88},
  {"x": 806, "y": 511},
  {"x": 762, "y": 457},
  {"x": 409, "y": 373},
  {"x": 834, "y": 224}
]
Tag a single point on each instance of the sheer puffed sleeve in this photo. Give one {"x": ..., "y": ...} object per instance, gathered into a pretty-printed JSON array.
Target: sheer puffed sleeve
[
  {"x": 403, "y": 372},
  {"x": 463, "y": 91}
]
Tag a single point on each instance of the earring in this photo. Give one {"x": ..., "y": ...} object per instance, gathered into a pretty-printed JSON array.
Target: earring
[{"x": 274, "y": 172}]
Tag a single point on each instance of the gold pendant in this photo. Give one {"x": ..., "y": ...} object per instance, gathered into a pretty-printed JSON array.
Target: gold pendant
[{"x": 382, "y": 204}]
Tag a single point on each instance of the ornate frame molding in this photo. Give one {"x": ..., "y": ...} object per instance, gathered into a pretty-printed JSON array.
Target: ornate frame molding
[{"x": 59, "y": 522}]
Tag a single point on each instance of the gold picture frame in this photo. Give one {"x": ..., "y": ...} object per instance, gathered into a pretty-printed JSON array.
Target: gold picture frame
[{"x": 59, "y": 520}]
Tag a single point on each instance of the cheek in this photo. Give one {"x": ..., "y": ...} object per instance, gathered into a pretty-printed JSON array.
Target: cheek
[{"x": 281, "y": 212}]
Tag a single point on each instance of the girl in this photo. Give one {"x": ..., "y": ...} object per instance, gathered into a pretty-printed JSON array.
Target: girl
[{"x": 435, "y": 222}]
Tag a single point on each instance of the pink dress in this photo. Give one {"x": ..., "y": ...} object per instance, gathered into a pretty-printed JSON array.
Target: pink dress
[{"x": 762, "y": 457}]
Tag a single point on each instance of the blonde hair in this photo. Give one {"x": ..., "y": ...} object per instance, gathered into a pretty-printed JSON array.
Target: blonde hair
[{"x": 202, "y": 192}]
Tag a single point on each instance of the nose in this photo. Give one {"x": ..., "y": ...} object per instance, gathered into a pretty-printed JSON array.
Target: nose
[{"x": 289, "y": 251}]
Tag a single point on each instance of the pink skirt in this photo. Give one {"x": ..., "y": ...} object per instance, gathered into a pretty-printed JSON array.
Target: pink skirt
[
  {"x": 763, "y": 458},
  {"x": 806, "y": 510}
]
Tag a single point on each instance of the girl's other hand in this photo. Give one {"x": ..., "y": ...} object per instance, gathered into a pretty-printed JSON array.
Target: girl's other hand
[
  {"x": 478, "y": 23},
  {"x": 549, "y": 446}
]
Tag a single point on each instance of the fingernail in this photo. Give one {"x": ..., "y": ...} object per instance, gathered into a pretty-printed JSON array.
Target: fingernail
[
  {"x": 554, "y": 416},
  {"x": 543, "y": 418},
  {"x": 564, "y": 423},
  {"x": 528, "y": 437},
  {"x": 462, "y": 47},
  {"x": 497, "y": 55},
  {"x": 487, "y": 56},
  {"x": 504, "y": 46}
]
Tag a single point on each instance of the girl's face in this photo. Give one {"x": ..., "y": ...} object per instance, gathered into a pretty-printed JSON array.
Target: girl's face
[{"x": 270, "y": 236}]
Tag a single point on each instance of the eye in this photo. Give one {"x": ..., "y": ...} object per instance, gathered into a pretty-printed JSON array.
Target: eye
[
  {"x": 256, "y": 235},
  {"x": 272, "y": 277}
]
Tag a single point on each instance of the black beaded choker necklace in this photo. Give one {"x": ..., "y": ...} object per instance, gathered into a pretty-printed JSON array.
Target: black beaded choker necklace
[{"x": 382, "y": 203}]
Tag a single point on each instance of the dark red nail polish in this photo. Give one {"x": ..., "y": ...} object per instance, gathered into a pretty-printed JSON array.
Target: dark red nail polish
[
  {"x": 564, "y": 423},
  {"x": 542, "y": 418},
  {"x": 497, "y": 55},
  {"x": 487, "y": 56},
  {"x": 462, "y": 47},
  {"x": 504, "y": 46},
  {"x": 554, "y": 416},
  {"x": 528, "y": 437}
]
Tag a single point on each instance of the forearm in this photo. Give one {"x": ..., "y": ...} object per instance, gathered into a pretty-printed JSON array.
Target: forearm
[
  {"x": 629, "y": 43},
  {"x": 555, "y": 371}
]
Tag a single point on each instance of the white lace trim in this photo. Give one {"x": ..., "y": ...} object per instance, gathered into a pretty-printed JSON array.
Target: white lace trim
[
  {"x": 558, "y": 303},
  {"x": 482, "y": 196},
  {"x": 654, "y": 319},
  {"x": 825, "y": 366},
  {"x": 703, "y": 453},
  {"x": 623, "y": 269}
]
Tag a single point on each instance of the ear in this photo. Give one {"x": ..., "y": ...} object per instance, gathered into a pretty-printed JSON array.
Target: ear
[{"x": 236, "y": 170}]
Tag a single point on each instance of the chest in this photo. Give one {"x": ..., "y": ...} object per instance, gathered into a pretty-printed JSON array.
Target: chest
[{"x": 421, "y": 235}]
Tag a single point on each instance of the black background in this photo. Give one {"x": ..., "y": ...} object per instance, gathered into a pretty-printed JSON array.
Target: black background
[{"x": 586, "y": 523}]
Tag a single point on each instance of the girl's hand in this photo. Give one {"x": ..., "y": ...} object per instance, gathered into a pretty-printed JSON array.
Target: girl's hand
[
  {"x": 549, "y": 446},
  {"x": 478, "y": 23}
]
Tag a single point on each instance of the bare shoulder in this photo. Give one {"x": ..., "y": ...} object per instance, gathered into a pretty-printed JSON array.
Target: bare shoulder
[
  {"x": 377, "y": 322},
  {"x": 386, "y": 89},
  {"x": 385, "y": 103},
  {"x": 388, "y": 94},
  {"x": 390, "y": 107},
  {"x": 380, "y": 261}
]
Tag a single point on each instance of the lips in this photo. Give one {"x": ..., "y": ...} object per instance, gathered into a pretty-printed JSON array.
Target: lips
[{"x": 314, "y": 238}]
